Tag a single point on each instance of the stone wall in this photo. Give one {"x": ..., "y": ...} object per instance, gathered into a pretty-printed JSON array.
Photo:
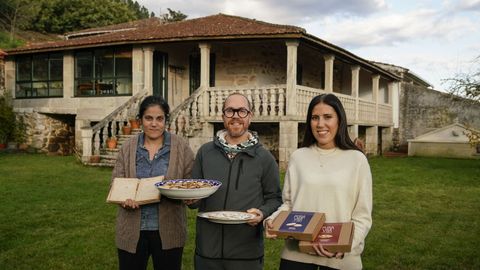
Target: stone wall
[
  {"x": 423, "y": 110},
  {"x": 50, "y": 133}
]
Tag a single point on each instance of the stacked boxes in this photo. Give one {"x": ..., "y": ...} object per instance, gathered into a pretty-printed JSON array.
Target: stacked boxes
[
  {"x": 298, "y": 225},
  {"x": 309, "y": 227},
  {"x": 334, "y": 237}
]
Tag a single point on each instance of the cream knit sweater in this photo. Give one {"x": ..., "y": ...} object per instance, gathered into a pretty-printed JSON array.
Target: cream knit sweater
[{"x": 335, "y": 182}]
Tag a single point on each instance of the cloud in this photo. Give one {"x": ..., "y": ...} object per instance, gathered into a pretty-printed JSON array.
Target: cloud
[
  {"x": 467, "y": 5},
  {"x": 390, "y": 29},
  {"x": 276, "y": 11}
]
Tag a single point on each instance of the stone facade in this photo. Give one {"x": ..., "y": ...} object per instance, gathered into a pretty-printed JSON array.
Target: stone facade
[
  {"x": 423, "y": 110},
  {"x": 50, "y": 133}
]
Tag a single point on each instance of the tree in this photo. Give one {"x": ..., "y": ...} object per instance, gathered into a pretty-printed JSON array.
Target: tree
[
  {"x": 173, "y": 16},
  {"x": 17, "y": 14},
  {"x": 466, "y": 84}
]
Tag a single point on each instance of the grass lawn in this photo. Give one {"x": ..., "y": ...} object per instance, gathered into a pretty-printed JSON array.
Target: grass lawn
[{"x": 53, "y": 215}]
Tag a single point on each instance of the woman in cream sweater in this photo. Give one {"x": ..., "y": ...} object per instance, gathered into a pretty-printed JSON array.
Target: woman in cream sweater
[{"x": 329, "y": 174}]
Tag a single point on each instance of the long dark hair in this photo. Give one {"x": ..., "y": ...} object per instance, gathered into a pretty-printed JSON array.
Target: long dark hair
[
  {"x": 154, "y": 101},
  {"x": 342, "y": 139}
]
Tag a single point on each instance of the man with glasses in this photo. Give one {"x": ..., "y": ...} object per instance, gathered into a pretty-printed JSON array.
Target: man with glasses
[{"x": 250, "y": 183}]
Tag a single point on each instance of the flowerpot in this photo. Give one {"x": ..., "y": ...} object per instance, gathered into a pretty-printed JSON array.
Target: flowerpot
[
  {"x": 126, "y": 130},
  {"x": 111, "y": 143},
  {"x": 134, "y": 124},
  {"x": 95, "y": 159},
  {"x": 22, "y": 146}
]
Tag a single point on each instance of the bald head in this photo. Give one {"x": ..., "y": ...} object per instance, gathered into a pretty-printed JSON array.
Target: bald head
[{"x": 249, "y": 106}]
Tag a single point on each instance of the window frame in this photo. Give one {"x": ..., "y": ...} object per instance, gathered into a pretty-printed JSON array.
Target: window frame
[
  {"x": 33, "y": 92},
  {"x": 96, "y": 80}
]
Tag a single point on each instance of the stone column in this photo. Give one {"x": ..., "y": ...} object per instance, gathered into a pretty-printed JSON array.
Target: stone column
[
  {"x": 138, "y": 70},
  {"x": 375, "y": 85},
  {"x": 68, "y": 75},
  {"x": 148, "y": 69},
  {"x": 353, "y": 131},
  {"x": 394, "y": 90},
  {"x": 355, "y": 89},
  {"x": 205, "y": 135},
  {"x": 371, "y": 140},
  {"x": 329, "y": 58},
  {"x": 291, "y": 97},
  {"x": 205, "y": 74},
  {"x": 10, "y": 77},
  {"x": 288, "y": 142}
]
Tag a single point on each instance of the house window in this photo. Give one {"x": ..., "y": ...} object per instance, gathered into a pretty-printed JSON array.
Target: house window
[
  {"x": 103, "y": 72},
  {"x": 39, "y": 76}
]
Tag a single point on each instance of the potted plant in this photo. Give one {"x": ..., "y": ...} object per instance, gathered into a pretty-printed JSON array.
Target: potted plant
[
  {"x": 134, "y": 123},
  {"x": 112, "y": 142},
  {"x": 126, "y": 130}
]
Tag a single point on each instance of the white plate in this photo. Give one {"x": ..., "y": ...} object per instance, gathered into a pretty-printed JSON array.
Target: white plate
[
  {"x": 227, "y": 217},
  {"x": 190, "y": 193}
]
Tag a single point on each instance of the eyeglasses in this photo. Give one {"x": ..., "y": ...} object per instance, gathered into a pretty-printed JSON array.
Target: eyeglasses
[{"x": 241, "y": 112}]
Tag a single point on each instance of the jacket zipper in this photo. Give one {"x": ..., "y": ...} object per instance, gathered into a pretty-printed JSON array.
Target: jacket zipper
[
  {"x": 240, "y": 169},
  {"x": 225, "y": 201}
]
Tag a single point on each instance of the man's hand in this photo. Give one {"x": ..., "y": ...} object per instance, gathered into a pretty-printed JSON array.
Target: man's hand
[{"x": 258, "y": 216}]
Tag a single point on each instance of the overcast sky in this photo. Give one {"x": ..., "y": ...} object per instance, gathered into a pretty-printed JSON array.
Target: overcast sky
[{"x": 434, "y": 39}]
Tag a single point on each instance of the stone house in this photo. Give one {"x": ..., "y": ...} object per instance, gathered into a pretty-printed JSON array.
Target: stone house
[{"x": 79, "y": 91}]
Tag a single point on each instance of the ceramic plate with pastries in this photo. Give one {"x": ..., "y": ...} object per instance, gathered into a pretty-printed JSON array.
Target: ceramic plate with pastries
[
  {"x": 188, "y": 189},
  {"x": 227, "y": 217}
]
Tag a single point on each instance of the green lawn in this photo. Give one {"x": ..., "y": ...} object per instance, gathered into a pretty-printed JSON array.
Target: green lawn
[{"x": 53, "y": 215}]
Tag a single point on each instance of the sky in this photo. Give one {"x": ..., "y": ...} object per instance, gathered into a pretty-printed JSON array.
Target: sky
[{"x": 433, "y": 39}]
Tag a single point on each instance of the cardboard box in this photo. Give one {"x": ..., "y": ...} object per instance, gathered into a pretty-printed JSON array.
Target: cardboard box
[
  {"x": 298, "y": 225},
  {"x": 335, "y": 237}
]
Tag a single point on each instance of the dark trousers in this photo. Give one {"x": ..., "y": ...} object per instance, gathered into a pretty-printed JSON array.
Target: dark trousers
[
  {"x": 292, "y": 265},
  {"x": 219, "y": 264},
  {"x": 150, "y": 244}
]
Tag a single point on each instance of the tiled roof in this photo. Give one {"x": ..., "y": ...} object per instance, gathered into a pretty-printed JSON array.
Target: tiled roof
[
  {"x": 210, "y": 27},
  {"x": 2, "y": 53},
  {"x": 150, "y": 22}
]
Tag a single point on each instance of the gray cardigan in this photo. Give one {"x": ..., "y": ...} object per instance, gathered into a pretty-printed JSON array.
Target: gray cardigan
[{"x": 171, "y": 213}]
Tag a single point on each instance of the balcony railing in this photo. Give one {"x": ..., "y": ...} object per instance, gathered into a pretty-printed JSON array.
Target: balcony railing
[{"x": 269, "y": 105}]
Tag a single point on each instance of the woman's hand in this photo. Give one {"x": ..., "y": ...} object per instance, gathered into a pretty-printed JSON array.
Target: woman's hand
[
  {"x": 325, "y": 253},
  {"x": 268, "y": 224},
  {"x": 130, "y": 204}
]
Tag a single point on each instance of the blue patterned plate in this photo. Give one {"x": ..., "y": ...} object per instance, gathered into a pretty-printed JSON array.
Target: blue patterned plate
[{"x": 188, "y": 189}]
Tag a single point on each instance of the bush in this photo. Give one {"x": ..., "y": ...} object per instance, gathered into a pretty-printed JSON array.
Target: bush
[{"x": 7, "y": 120}]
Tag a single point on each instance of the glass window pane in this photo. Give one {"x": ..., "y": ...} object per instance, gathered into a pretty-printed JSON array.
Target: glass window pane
[
  {"x": 23, "y": 90},
  {"x": 40, "y": 89},
  {"x": 40, "y": 67},
  {"x": 123, "y": 63},
  {"x": 24, "y": 68},
  {"x": 84, "y": 65},
  {"x": 56, "y": 88},
  {"x": 124, "y": 86},
  {"x": 104, "y": 63},
  {"x": 105, "y": 87},
  {"x": 56, "y": 69},
  {"x": 85, "y": 88}
]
